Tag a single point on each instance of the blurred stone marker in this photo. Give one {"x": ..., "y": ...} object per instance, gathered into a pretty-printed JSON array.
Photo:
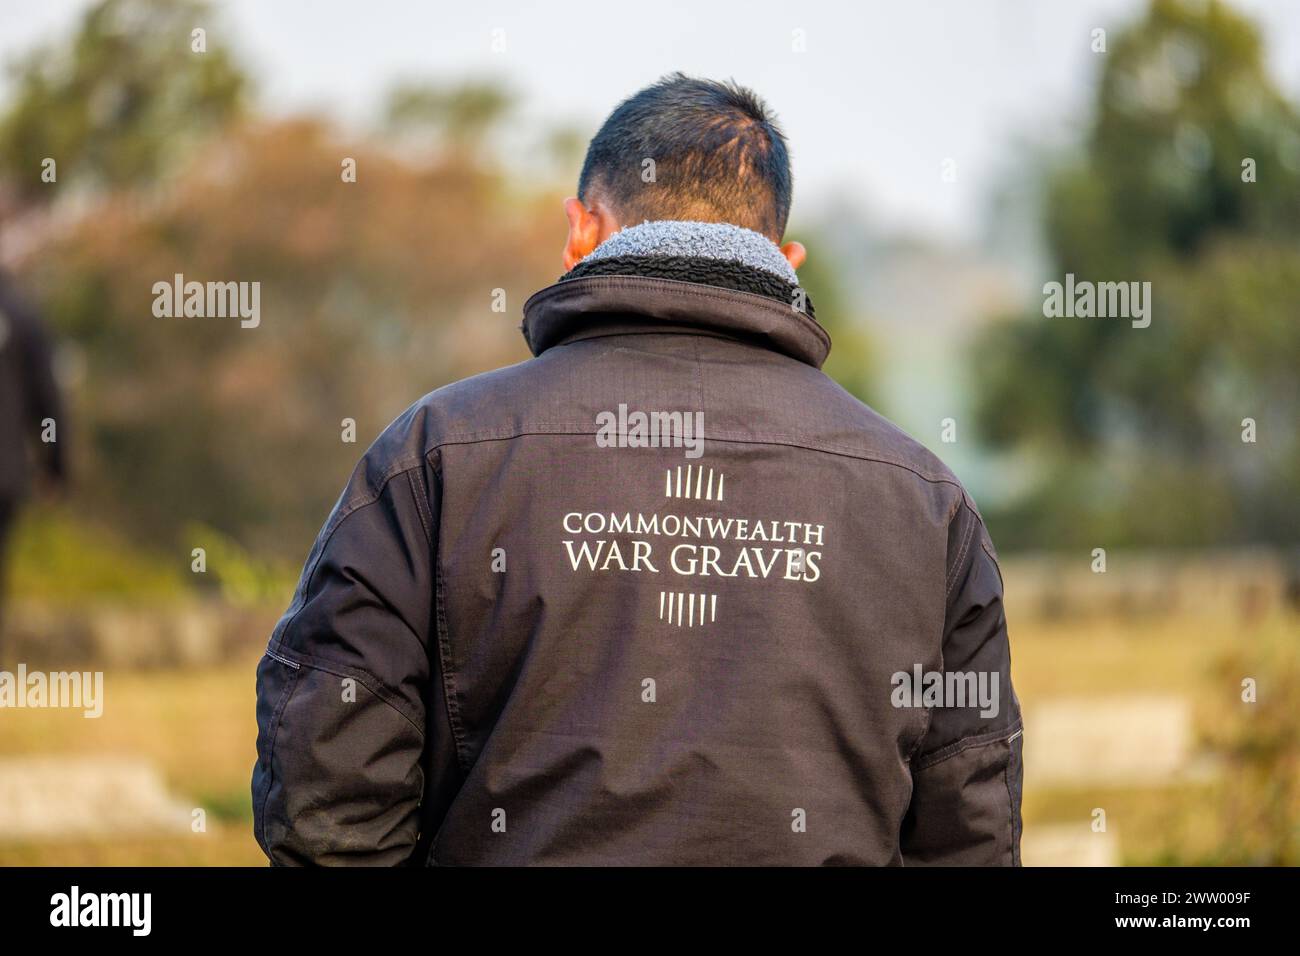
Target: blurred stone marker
[
  {"x": 58, "y": 797},
  {"x": 1068, "y": 844},
  {"x": 1108, "y": 740}
]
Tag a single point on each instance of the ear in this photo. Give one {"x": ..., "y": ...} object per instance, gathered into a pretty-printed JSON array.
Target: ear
[
  {"x": 794, "y": 253},
  {"x": 584, "y": 232}
]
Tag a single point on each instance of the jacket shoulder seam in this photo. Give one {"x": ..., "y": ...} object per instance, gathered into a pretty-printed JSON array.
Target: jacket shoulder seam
[
  {"x": 419, "y": 493},
  {"x": 446, "y": 670},
  {"x": 372, "y": 494},
  {"x": 309, "y": 575},
  {"x": 830, "y": 448},
  {"x": 955, "y": 573}
]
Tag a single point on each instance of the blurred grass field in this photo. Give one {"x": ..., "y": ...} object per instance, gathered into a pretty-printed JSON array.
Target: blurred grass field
[{"x": 198, "y": 727}]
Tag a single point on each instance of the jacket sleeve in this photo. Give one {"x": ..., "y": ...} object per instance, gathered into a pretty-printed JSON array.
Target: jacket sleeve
[
  {"x": 341, "y": 690},
  {"x": 966, "y": 769}
]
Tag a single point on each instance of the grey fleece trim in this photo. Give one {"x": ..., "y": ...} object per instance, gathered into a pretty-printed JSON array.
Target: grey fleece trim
[{"x": 708, "y": 240}]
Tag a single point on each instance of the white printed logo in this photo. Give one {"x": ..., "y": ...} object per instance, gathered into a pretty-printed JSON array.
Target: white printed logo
[{"x": 733, "y": 547}]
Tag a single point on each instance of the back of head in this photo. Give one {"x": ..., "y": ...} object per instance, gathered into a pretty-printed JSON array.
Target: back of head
[{"x": 718, "y": 156}]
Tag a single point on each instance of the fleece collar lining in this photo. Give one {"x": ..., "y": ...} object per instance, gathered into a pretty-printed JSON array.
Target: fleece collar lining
[{"x": 708, "y": 240}]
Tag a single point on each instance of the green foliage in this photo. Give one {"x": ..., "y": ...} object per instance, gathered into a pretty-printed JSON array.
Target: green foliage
[
  {"x": 1158, "y": 193},
  {"x": 244, "y": 580},
  {"x": 57, "y": 557},
  {"x": 232, "y": 806},
  {"x": 460, "y": 114},
  {"x": 1259, "y": 799},
  {"x": 852, "y": 359},
  {"x": 100, "y": 107}
]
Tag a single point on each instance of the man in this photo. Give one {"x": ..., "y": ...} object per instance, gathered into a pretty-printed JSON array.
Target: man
[
  {"x": 29, "y": 410},
  {"x": 663, "y": 594}
]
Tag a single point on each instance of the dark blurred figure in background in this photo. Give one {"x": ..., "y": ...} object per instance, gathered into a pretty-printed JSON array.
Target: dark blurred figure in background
[{"x": 30, "y": 411}]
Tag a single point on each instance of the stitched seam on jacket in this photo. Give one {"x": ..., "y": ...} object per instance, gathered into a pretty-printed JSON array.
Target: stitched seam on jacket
[
  {"x": 416, "y": 481},
  {"x": 270, "y": 749},
  {"x": 417, "y": 477},
  {"x": 277, "y": 639},
  {"x": 472, "y": 438},
  {"x": 589, "y": 335},
  {"x": 956, "y": 568},
  {"x": 1011, "y": 811},
  {"x": 994, "y": 558},
  {"x": 449, "y": 692},
  {"x": 928, "y": 717},
  {"x": 1011, "y": 800},
  {"x": 699, "y": 381},
  {"x": 920, "y": 738},
  {"x": 371, "y": 495},
  {"x": 327, "y": 533},
  {"x": 366, "y": 679},
  {"x": 969, "y": 743}
]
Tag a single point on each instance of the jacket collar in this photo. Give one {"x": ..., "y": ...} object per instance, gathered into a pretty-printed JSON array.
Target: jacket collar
[
  {"x": 581, "y": 308},
  {"x": 703, "y": 242}
]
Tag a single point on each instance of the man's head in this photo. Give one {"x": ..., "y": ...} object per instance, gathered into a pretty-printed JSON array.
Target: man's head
[{"x": 716, "y": 154}]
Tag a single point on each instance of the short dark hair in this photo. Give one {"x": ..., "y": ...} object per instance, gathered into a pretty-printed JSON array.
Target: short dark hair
[{"x": 718, "y": 156}]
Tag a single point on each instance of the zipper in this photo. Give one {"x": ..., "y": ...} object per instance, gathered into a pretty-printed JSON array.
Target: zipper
[{"x": 282, "y": 660}]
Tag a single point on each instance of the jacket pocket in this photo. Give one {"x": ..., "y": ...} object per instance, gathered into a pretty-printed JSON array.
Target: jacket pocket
[
  {"x": 338, "y": 778},
  {"x": 1015, "y": 790},
  {"x": 276, "y": 677}
]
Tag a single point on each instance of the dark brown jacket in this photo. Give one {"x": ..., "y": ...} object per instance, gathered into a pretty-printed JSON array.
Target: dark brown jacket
[{"x": 468, "y": 675}]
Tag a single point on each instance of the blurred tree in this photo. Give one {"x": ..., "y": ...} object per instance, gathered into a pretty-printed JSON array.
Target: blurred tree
[
  {"x": 372, "y": 293},
  {"x": 99, "y": 106},
  {"x": 566, "y": 147},
  {"x": 1188, "y": 177},
  {"x": 852, "y": 358},
  {"x": 459, "y": 116},
  {"x": 1257, "y": 795},
  {"x": 373, "y": 289}
]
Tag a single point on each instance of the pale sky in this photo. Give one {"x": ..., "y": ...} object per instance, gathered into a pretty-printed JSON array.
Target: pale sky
[{"x": 885, "y": 92}]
